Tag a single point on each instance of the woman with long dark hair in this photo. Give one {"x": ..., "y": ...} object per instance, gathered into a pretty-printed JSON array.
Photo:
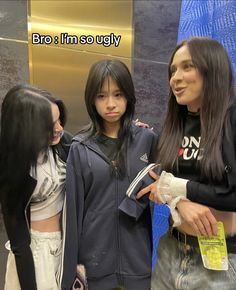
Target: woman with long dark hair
[
  {"x": 114, "y": 247},
  {"x": 33, "y": 151},
  {"x": 197, "y": 153}
]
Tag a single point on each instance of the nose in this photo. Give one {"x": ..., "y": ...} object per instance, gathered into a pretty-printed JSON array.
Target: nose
[
  {"x": 111, "y": 102},
  {"x": 57, "y": 126},
  {"x": 177, "y": 75}
]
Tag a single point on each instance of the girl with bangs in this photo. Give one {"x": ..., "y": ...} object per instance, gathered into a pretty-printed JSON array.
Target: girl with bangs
[{"x": 105, "y": 157}]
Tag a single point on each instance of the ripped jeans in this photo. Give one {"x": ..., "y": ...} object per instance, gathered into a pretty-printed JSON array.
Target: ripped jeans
[{"x": 180, "y": 267}]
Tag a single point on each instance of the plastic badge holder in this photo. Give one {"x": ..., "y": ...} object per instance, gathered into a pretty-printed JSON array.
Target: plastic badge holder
[{"x": 214, "y": 250}]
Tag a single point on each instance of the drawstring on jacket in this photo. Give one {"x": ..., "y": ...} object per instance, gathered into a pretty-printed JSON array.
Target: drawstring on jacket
[{"x": 88, "y": 157}]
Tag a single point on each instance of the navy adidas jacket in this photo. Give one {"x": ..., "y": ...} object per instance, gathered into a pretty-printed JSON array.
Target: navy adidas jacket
[{"x": 100, "y": 236}]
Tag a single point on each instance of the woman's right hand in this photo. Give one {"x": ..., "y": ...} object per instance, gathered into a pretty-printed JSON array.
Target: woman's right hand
[
  {"x": 199, "y": 217},
  {"x": 151, "y": 189}
]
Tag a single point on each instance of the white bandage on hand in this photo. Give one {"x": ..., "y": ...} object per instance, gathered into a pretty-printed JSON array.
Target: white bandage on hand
[
  {"x": 176, "y": 216},
  {"x": 171, "y": 190},
  {"x": 169, "y": 186},
  {"x": 163, "y": 187}
]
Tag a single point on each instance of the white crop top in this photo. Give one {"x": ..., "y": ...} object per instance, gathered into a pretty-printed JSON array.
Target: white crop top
[{"x": 48, "y": 196}]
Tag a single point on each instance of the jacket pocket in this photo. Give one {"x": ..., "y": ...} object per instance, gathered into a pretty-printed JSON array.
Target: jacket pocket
[
  {"x": 97, "y": 250},
  {"x": 136, "y": 246}
]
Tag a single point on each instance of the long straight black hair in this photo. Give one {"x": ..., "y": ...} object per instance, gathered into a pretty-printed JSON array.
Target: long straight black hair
[
  {"x": 212, "y": 61},
  {"x": 119, "y": 72},
  {"x": 26, "y": 130},
  {"x": 60, "y": 104}
]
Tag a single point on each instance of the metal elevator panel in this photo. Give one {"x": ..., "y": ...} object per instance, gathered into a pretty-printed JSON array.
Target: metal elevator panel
[{"x": 59, "y": 60}]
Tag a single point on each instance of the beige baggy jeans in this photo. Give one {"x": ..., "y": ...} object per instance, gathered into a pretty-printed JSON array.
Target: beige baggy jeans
[{"x": 46, "y": 250}]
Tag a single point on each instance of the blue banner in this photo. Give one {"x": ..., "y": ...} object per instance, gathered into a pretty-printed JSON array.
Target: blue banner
[{"x": 210, "y": 18}]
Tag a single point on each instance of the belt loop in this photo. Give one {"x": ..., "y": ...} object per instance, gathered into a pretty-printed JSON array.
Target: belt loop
[
  {"x": 179, "y": 238},
  {"x": 185, "y": 239}
]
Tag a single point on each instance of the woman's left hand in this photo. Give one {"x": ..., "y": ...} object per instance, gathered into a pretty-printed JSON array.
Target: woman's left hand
[{"x": 199, "y": 217}]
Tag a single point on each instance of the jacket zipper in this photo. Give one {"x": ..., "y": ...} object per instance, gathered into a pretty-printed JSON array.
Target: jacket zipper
[
  {"x": 119, "y": 275},
  {"x": 105, "y": 158}
]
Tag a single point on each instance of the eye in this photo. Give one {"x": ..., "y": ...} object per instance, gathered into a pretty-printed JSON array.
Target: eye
[
  {"x": 188, "y": 66},
  {"x": 119, "y": 94},
  {"x": 100, "y": 96},
  {"x": 58, "y": 121},
  {"x": 172, "y": 70}
]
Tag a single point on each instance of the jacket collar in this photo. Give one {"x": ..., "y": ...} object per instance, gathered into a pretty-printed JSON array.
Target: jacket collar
[{"x": 83, "y": 137}]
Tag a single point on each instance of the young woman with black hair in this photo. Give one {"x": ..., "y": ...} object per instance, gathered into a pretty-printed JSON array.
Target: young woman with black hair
[
  {"x": 197, "y": 152},
  {"x": 33, "y": 152},
  {"x": 114, "y": 247}
]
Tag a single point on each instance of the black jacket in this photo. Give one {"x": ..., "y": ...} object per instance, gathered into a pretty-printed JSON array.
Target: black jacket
[
  {"x": 16, "y": 216},
  {"x": 222, "y": 196},
  {"x": 107, "y": 241}
]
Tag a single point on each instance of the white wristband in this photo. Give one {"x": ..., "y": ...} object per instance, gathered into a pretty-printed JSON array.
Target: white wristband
[
  {"x": 177, "y": 219},
  {"x": 169, "y": 186}
]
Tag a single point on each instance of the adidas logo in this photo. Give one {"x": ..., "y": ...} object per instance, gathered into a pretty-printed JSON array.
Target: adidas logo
[{"x": 144, "y": 158}]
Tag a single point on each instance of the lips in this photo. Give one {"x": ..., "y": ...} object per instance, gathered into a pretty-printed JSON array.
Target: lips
[
  {"x": 179, "y": 90},
  {"x": 57, "y": 135},
  {"x": 112, "y": 114}
]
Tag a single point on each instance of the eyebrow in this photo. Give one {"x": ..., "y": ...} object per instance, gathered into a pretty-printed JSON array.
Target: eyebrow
[
  {"x": 182, "y": 62},
  {"x": 101, "y": 92}
]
